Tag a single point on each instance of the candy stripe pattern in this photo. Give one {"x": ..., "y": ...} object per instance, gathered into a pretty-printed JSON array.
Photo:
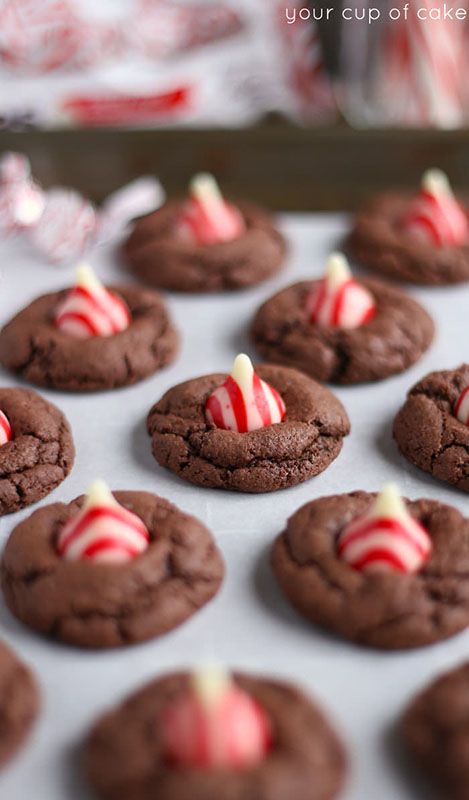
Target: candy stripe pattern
[
  {"x": 385, "y": 543},
  {"x": 5, "y": 429},
  {"x": 207, "y": 219},
  {"x": 339, "y": 301},
  {"x": 461, "y": 409},
  {"x": 244, "y": 402},
  {"x": 103, "y": 531},
  {"x": 436, "y": 216},
  {"x": 231, "y": 731},
  {"x": 90, "y": 310}
]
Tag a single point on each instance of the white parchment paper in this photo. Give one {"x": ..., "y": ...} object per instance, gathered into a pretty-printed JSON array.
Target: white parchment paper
[{"x": 248, "y": 625}]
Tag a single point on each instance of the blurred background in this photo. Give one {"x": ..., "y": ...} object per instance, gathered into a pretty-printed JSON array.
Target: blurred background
[{"x": 286, "y": 102}]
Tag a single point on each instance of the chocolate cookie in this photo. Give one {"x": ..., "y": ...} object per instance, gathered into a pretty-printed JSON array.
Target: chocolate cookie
[
  {"x": 124, "y": 755},
  {"x": 436, "y": 729},
  {"x": 393, "y": 340},
  {"x": 108, "y": 605},
  {"x": 161, "y": 257},
  {"x": 379, "y": 242},
  {"x": 263, "y": 460},
  {"x": 428, "y": 432},
  {"x": 19, "y": 703},
  {"x": 31, "y": 345},
  {"x": 39, "y": 455},
  {"x": 392, "y": 610}
]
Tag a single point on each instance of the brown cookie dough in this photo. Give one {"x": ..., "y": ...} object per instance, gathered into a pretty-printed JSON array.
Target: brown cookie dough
[
  {"x": 390, "y": 611},
  {"x": 160, "y": 257},
  {"x": 392, "y": 341},
  {"x": 40, "y": 454},
  {"x": 32, "y": 346},
  {"x": 271, "y": 458},
  {"x": 435, "y": 729},
  {"x": 427, "y": 431},
  {"x": 108, "y": 605},
  {"x": 379, "y": 242},
  {"x": 124, "y": 755},
  {"x": 19, "y": 703}
]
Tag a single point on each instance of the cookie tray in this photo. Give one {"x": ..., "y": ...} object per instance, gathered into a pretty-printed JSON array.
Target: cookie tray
[{"x": 248, "y": 625}]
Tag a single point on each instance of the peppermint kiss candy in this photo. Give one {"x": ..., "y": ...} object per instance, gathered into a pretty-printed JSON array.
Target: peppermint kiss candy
[
  {"x": 103, "y": 531},
  {"x": 215, "y": 725},
  {"x": 461, "y": 409},
  {"x": 66, "y": 227},
  {"x": 436, "y": 217},
  {"x": 207, "y": 218},
  {"x": 244, "y": 402},
  {"x": 386, "y": 539},
  {"x": 90, "y": 309},
  {"x": 21, "y": 199},
  {"x": 338, "y": 301},
  {"x": 5, "y": 429}
]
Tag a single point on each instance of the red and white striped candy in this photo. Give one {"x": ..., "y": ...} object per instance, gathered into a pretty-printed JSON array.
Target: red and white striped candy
[
  {"x": 103, "y": 531},
  {"x": 207, "y": 218},
  {"x": 5, "y": 429},
  {"x": 244, "y": 402},
  {"x": 66, "y": 227},
  {"x": 436, "y": 216},
  {"x": 215, "y": 725},
  {"x": 21, "y": 199},
  {"x": 338, "y": 301},
  {"x": 89, "y": 309},
  {"x": 461, "y": 409},
  {"x": 387, "y": 539}
]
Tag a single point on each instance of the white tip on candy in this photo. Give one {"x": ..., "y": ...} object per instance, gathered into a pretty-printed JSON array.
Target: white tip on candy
[
  {"x": 99, "y": 494},
  {"x": 210, "y": 684},
  {"x": 205, "y": 188},
  {"x": 389, "y": 503},
  {"x": 242, "y": 371},
  {"x": 337, "y": 270},
  {"x": 436, "y": 183}
]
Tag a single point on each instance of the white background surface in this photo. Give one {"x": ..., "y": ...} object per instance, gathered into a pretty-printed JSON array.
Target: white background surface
[{"x": 248, "y": 625}]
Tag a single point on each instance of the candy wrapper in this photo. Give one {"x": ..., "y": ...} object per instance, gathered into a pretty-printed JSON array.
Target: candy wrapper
[
  {"x": 60, "y": 223},
  {"x": 157, "y": 62}
]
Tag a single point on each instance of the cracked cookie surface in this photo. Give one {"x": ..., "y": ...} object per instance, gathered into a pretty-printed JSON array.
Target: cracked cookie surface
[
  {"x": 108, "y": 605},
  {"x": 41, "y": 453},
  {"x": 392, "y": 341},
  {"x": 435, "y": 729},
  {"x": 427, "y": 431},
  {"x": 161, "y": 258},
  {"x": 19, "y": 703},
  {"x": 31, "y": 345},
  {"x": 378, "y": 242},
  {"x": 124, "y": 755},
  {"x": 271, "y": 458},
  {"x": 393, "y": 610}
]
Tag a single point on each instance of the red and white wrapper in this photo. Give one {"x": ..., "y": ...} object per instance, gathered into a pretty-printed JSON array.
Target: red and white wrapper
[
  {"x": 339, "y": 301},
  {"x": 387, "y": 539},
  {"x": 40, "y": 37},
  {"x": 244, "y": 402},
  {"x": 162, "y": 28},
  {"x": 5, "y": 429},
  {"x": 66, "y": 228},
  {"x": 60, "y": 223},
  {"x": 207, "y": 218},
  {"x": 89, "y": 309},
  {"x": 104, "y": 531},
  {"x": 436, "y": 217},
  {"x": 21, "y": 199},
  {"x": 159, "y": 62},
  {"x": 215, "y": 725},
  {"x": 461, "y": 409},
  {"x": 422, "y": 77}
]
